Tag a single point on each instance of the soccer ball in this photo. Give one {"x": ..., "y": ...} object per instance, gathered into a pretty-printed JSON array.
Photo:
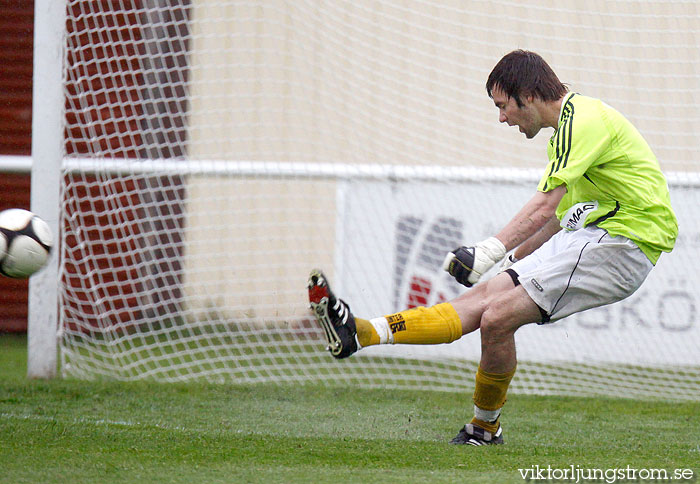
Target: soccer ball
[{"x": 25, "y": 243}]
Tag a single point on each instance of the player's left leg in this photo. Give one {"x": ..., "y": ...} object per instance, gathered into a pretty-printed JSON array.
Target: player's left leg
[
  {"x": 499, "y": 322},
  {"x": 572, "y": 272}
]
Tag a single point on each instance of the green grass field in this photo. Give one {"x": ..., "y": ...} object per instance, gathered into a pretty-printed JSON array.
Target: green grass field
[{"x": 110, "y": 432}]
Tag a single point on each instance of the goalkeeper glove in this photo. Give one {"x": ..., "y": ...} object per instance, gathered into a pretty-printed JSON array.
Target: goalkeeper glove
[
  {"x": 468, "y": 264},
  {"x": 510, "y": 260}
]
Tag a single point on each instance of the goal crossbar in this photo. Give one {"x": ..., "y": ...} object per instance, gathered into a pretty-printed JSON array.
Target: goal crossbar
[{"x": 123, "y": 167}]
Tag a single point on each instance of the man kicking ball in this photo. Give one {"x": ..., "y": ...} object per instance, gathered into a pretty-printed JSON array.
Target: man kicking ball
[{"x": 589, "y": 236}]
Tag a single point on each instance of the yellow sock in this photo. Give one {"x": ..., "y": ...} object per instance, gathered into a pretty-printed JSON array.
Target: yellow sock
[
  {"x": 490, "y": 394},
  {"x": 488, "y": 426},
  {"x": 366, "y": 334},
  {"x": 433, "y": 325}
]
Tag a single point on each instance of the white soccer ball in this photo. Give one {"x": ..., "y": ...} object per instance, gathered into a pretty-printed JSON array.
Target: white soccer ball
[{"x": 25, "y": 243}]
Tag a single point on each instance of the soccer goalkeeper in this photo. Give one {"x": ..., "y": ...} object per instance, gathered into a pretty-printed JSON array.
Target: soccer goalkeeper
[{"x": 595, "y": 227}]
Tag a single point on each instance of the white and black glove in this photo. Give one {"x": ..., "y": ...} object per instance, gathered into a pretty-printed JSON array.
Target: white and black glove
[
  {"x": 468, "y": 264},
  {"x": 509, "y": 261}
]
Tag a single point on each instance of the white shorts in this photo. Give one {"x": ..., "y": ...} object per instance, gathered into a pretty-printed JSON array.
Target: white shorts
[{"x": 584, "y": 269}]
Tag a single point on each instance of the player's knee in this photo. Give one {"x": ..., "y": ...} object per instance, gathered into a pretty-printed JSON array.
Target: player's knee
[{"x": 496, "y": 322}]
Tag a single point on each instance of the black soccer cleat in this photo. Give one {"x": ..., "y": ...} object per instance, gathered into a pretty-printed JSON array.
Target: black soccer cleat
[
  {"x": 472, "y": 434},
  {"x": 333, "y": 315}
]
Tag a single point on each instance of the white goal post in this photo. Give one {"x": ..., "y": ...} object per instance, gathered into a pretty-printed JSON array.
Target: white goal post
[
  {"x": 47, "y": 154},
  {"x": 212, "y": 153}
]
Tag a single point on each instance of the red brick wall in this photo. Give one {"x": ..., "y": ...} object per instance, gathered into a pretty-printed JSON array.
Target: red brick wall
[
  {"x": 14, "y": 193},
  {"x": 16, "y": 43},
  {"x": 130, "y": 121},
  {"x": 119, "y": 139}
]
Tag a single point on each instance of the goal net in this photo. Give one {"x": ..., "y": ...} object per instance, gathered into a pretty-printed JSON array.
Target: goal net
[{"x": 216, "y": 151}]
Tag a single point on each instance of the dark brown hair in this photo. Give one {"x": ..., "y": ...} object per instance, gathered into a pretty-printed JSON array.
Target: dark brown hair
[{"x": 523, "y": 73}]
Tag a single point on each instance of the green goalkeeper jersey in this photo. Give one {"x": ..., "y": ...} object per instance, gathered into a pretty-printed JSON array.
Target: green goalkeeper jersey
[{"x": 612, "y": 177}]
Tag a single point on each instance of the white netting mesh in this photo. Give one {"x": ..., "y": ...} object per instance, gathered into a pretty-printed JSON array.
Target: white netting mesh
[{"x": 218, "y": 150}]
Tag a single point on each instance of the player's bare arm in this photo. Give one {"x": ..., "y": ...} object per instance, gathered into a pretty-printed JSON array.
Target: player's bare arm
[
  {"x": 536, "y": 214},
  {"x": 540, "y": 237},
  {"x": 468, "y": 264}
]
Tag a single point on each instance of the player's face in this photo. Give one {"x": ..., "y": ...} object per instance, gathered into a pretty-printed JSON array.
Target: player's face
[{"x": 526, "y": 117}]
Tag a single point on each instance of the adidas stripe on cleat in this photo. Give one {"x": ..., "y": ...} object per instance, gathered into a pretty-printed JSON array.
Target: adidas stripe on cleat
[
  {"x": 472, "y": 434},
  {"x": 333, "y": 315}
]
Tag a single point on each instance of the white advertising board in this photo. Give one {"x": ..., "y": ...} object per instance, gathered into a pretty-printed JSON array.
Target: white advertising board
[{"x": 392, "y": 239}]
